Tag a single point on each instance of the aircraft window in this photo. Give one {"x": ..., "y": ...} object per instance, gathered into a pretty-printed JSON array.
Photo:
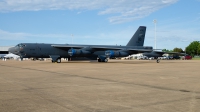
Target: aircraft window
[{"x": 20, "y": 45}]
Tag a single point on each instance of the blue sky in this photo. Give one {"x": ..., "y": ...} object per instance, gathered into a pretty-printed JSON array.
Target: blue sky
[{"x": 102, "y": 22}]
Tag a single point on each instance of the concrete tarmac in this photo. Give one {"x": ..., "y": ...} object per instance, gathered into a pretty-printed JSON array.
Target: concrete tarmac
[{"x": 116, "y": 86}]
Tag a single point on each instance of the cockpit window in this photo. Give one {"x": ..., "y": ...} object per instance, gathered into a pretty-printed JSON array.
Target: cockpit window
[{"x": 20, "y": 45}]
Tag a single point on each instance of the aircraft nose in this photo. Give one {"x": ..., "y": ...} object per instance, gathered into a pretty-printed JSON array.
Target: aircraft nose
[{"x": 12, "y": 50}]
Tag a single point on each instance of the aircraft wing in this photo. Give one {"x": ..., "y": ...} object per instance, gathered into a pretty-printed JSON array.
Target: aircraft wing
[
  {"x": 100, "y": 48},
  {"x": 95, "y": 47},
  {"x": 176, "y": 53},
  {"x": 67, "y": 46},
  {"x": 172, "y": 53}
]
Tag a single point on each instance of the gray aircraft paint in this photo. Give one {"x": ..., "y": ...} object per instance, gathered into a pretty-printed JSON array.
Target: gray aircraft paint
[{"x": 138, "y": 38}]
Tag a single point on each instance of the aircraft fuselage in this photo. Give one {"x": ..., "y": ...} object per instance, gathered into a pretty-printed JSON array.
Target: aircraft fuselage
[{"x": 37, "y": 50}]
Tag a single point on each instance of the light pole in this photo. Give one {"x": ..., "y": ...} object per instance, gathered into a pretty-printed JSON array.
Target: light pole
[{"x": 155, "y": 21}]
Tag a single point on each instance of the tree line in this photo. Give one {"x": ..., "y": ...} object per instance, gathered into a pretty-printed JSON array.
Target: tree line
[{"x": 192, "y": 49}]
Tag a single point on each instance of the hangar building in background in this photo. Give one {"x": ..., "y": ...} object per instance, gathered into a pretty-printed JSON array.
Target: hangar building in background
[{"x": 4, "y": 49}]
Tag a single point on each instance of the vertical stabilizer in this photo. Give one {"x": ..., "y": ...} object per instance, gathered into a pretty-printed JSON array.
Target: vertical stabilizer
[{"x": 138, "y": 38}]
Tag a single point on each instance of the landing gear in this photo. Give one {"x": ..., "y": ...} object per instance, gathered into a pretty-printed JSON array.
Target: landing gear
[
  {"x": 99, "y": 60},
  {"x": 102, "y": 60},
  {"x": 106, "y": 60},
  {"x": 58, "y": 60},
  {"x": 55, "y": 58},
  {"x": 158, "y": 61}
]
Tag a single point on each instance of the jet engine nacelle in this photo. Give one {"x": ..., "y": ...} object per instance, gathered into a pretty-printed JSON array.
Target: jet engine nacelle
[
  {"x": 78, "y": 52},
  {"x": 111, "y": 53}
]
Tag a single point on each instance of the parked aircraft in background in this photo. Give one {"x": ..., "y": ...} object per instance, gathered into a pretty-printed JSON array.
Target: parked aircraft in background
[
  {"x": 12, "y": 56},
  {"x": 2, "y": 55},
  {"x": 9, "y": 56},
  {"x": 156, "y": 54}
]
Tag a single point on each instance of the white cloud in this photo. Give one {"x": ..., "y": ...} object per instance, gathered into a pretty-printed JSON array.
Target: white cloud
[
  {"x": 111, "y": 38},
  {"x": 4, "y": 35},
  {"x": 171, "y": 36},
  {"x": 79, "y": 12},
  {"x": 124, "y": 10},
  {"x": 135, "y": 9}
]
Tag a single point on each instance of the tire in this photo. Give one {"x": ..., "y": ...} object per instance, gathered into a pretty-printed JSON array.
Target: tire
[
  {"x": 59, "y": 60},
  {"x": 99, "y": 60},
  {"x": 105, "y": 60}
]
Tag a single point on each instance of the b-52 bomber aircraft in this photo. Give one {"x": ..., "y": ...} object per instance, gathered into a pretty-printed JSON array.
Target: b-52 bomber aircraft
[{"x": 101, "y": 53}]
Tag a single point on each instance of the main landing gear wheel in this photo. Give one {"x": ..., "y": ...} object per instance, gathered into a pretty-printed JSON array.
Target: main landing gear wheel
[
  {"x": 59, "y": 60},
  {"x": 99, "y": 60},
  {"x": 158, "y": 61},
  {"x": 105, "y": 60},
  {"x": 54, "y": 61}
]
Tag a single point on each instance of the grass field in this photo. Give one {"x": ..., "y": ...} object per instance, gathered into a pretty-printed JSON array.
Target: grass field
[{"x": 195, "y": 58}]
